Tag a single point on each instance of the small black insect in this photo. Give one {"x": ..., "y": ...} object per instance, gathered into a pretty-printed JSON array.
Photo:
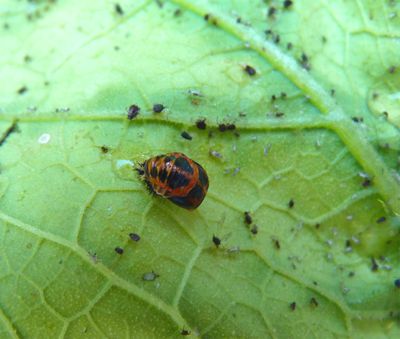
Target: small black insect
[
  {"x": 119, "y": 250},
  {"x": 201, "y": 124},
  {"x": 247, "y": 218},
  {"x": 22, "y": 90},
  {"x": 134, "y": 236},
  {"x": 250, "y": 70},
  {"x": 291, "y": 203},
  {"x": 366, "y": 182},
  {"x": 118, "y": 9},
  {"x": 158, "y": 108},
  {"x": 357, "y": 119},
  {"x": 397, "y": 283},
  {"x": 104, "y": 149},
  {"x": 186, "y": 135},
  {"x": 133, "y": 111},
  {"x": 185, "y": 332},
  {"x": 216, "y": 241},
  {"x": 222, "y": 127},
  {"x": 293, "y": 305},
  {"x": 254, "y": 229},
  {"x": 381, "y": 220},
  {"x": 287, "y": 3}
]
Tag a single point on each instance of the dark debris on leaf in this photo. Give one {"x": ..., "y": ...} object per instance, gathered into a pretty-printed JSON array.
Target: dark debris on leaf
[
  {"x": 313, "y": 302},
  {"x": 271, "y": 11},
  {"x": 10, "y": 130},
  {"x": 374, "y": 265}
]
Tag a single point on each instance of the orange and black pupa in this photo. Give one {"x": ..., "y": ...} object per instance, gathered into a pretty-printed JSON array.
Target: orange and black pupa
[{"x": 176, "y": 177}]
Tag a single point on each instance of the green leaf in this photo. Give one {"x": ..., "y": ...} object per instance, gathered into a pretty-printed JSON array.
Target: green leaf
[{"x": 314, "y": 158}]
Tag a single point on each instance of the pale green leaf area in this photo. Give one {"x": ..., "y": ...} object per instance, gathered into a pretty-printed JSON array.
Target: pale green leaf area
[{"x": 314, "y": 158}]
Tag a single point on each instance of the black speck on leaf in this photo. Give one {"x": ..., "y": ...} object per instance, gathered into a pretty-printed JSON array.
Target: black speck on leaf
[
  {"x": 133, "y": 111},
  {"x": 22, "y": 90},
  {"x": 134, "y": 236},
  {"x": 222, "y": 127},
  {"x": 201, "y": 124},
  {"x": 357, "y": 119},
  {"x": 287, "y": 3},
  {"x": 158, "y": 108},
  {"x": 13, "y": 128},
  {"x": 397, "y": 283},
  {"x": 119, "y": 250},
  {"x": 366, "y": 182},
  {"x": 185, "y": 332},
  {"x": 186, "y": 135},
  {"x": 381, "y": 220},
  {"x": 216, "y": 241},
  {"x": 104, "y": 149},
  {"x": 247, "y": 218},
  {"x": 250, "y": 70},
  {"x": 118, "y": 9}
]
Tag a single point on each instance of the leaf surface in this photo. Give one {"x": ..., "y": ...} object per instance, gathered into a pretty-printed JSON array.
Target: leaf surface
[{"x": 314, "y": 159}]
